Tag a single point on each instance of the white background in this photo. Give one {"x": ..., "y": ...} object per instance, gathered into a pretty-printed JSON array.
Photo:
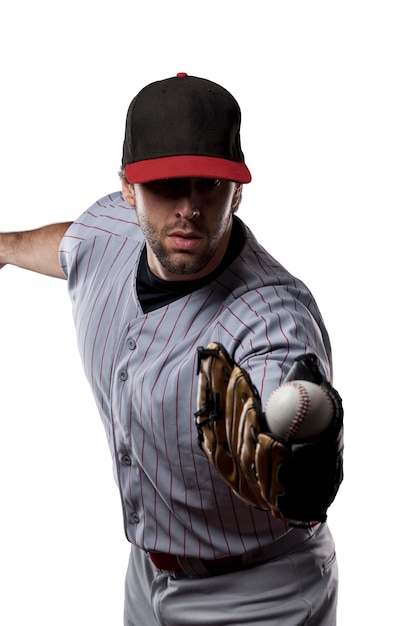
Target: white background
[{"x": 328, "y": 94}]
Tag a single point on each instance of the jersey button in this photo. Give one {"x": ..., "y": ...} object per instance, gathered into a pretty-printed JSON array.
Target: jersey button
[
  {"x": 126, "y": 460},
  {"x": 123, "y": 375},
  {"x": 131, "y": 344},
  {"x": 135, "y": 518}
]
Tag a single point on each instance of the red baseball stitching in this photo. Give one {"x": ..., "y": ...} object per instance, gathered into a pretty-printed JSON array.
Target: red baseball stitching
[{"x": 304, "y": 406}]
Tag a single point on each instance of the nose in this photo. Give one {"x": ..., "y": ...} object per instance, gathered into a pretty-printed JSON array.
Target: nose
[
  {"x": 186, "y": 206},
  {"x": 186, "y": 210}
]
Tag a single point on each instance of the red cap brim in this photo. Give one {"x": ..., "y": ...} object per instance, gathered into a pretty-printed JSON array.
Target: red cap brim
[{"x": 187, "y": 167}]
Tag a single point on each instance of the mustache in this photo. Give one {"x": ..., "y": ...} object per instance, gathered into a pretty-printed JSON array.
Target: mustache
[{"x": 185, "y": 227}]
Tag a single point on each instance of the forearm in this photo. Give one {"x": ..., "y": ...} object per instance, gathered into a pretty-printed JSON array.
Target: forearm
[{"x": 35, "y": 250}]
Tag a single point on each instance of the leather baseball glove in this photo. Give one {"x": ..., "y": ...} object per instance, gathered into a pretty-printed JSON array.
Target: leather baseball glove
[{"x": 297, "y": 480}]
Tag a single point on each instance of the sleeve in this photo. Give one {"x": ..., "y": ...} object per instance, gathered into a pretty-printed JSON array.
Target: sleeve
[{"x": 268, "y": 328}]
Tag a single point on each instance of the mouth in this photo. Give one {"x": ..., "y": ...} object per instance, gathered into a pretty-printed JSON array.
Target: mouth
[{"x": 185, "y": 241}]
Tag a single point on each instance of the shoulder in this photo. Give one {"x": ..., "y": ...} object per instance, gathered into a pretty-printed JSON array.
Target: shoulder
[
  {"x": 255, "y": 268},
  {"x": 108, "y": 218},
  {"x": 109, "y": 215}
]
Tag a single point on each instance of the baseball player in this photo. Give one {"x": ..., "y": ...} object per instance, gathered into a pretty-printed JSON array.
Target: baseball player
[{"x": 156, "y": 273}]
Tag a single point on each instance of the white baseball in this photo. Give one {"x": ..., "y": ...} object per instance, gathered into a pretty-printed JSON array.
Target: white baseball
[{"x": 298, "y": 409}]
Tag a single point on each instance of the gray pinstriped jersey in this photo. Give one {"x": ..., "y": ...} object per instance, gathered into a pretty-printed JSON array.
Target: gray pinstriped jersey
[{"x": 142, "y": 371}]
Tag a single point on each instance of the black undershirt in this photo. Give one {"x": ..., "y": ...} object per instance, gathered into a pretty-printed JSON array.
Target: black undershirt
[{"x": 154, "y": 292}]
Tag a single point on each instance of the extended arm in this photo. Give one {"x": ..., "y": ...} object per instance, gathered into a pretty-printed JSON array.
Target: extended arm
[
  {"x": 35, "y": 250},
  {"x": 296, "y": 477}
]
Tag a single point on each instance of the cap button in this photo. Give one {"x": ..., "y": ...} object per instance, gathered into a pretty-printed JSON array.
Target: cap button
[{"x": 182, "y": 74}]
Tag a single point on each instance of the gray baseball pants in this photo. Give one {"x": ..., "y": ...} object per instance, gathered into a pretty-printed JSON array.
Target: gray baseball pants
[{"x": 296, "y": 589}]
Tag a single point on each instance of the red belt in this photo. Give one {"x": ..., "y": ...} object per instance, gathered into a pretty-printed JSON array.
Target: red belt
[
  {"x": 198, "y": 567},
  {"x": 195, "y": 567}
]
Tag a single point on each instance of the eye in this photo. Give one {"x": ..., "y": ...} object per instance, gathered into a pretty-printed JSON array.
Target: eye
[
  {"x": 166, "y": 186},
  {"x": 210, "y": 182}
]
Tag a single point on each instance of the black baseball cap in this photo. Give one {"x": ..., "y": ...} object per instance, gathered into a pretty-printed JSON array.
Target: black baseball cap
[{"x": 183, "y": 127}]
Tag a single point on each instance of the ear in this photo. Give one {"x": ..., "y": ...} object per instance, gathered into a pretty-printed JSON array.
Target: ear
[
  {"x": 237, "y": 197},
  {"x": 128, "y": 192}
]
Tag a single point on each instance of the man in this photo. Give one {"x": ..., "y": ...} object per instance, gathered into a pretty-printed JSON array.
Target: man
[{"x": 153, "y": 273}]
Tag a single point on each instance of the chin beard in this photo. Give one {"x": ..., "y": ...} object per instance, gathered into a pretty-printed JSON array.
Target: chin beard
[{"x": 184, "y": 266}]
